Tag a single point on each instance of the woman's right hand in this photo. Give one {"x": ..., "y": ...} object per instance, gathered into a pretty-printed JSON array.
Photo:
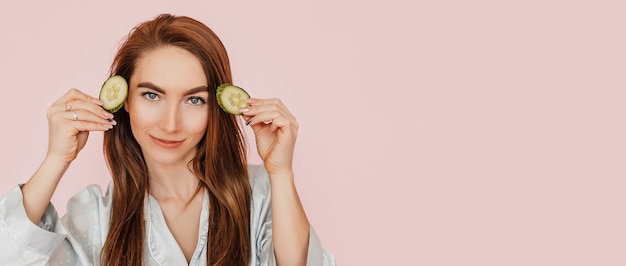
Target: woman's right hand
[{"x": 70, "y": 119}]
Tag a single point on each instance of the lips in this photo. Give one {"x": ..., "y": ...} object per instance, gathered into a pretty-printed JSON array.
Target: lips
[{"x": 168, "y": 144}]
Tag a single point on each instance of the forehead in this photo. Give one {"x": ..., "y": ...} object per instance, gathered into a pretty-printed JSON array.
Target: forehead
[{"x": 169, "y": 67}]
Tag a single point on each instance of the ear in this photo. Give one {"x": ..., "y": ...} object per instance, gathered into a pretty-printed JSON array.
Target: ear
[{"x": 127, "y": 101}]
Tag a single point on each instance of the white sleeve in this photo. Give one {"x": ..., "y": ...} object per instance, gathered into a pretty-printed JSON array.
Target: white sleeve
[
  {"x": 261, "y": 227},
  {"x": 76, "y": 239}
]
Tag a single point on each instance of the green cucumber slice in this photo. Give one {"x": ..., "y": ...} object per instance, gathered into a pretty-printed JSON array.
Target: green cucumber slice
[
  {"x": 231, "y": 98},
  {"x": 113, "y": 93}
]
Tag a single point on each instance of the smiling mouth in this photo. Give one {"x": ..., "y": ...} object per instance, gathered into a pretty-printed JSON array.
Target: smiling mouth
[{"x": 168, "y": 144}]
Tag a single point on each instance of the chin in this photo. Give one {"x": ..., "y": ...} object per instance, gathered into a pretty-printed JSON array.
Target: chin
[{"x": 169, "y": 158}]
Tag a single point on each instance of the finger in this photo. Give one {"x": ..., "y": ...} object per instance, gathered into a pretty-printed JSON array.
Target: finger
[
  {"x": 286, "y": 123},
  {"x": 75, "y": 94},
  {"x": 267, "y": 104},
  {"x": 264, "y": 113},
  {"x": 89, "y": 106},
  {"x": 86, "y": 116},
  {"x": 264, "y": 117},
  {"x": 246, "y": 119},
  {"x": 279, "y": 122},
  {"x": 75, "y": 120},
  {"x": 90, "y": 126},
  {"x": 274, "y": 122}
]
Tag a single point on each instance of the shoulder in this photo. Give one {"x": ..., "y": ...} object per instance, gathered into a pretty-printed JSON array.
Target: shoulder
[
  {"x": 260, "y": 214},
  {"x": 90, "y": 197},
  {"x": 88, "y": 213},
  {"x": 258, "y": 177},
  {"x": 260, "y": 185}
]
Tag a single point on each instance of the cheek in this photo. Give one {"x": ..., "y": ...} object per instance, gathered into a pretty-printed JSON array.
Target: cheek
[
  {"x": 196, "y": 122},
  {"x": 137, "y": 121},
  {"x": 142, "y": 115}
]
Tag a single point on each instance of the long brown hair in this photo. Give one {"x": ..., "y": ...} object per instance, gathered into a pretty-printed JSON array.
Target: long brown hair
[{"x": 220, "y": 163}]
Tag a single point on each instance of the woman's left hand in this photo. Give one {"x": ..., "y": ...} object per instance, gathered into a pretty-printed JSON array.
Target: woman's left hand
[{"x": 275, "y": 130}]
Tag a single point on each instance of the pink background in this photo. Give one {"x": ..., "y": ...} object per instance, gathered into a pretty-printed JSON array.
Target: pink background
[{"x": 432, "y": 132}]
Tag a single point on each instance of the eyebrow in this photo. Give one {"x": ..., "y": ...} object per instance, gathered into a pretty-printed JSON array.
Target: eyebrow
[{"x": 159, "y": 90}]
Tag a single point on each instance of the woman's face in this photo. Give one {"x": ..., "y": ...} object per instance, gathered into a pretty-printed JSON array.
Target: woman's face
[{"x": 167, "y": 104}]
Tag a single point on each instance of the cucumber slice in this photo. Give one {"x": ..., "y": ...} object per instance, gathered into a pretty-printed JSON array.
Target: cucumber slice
[
  {"x": 113, "y": 93},
  {"x": 231, "y": 98}
]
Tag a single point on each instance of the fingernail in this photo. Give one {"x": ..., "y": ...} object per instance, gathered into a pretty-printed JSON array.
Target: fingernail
[
  {"x": 98, "y": 102},
  {"x": 107, "y": 114},
  {"x": 249, "y": 121},
  {"x": 243, "y": 110},
  {"x": 113, "y": 122},
  {"x": 250, "y": 100}
]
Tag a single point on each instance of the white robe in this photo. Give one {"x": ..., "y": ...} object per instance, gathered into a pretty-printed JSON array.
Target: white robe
[{"x": 78, "y": 237}]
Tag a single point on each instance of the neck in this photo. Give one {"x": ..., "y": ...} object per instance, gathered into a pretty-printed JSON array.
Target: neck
[{"x": 172, "y": 182}]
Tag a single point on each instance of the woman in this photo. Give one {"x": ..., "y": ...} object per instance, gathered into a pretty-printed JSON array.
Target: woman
[{"x": 181, "y": 191}]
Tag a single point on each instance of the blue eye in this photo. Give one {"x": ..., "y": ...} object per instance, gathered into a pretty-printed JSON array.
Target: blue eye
[
  {"x": 150, "y": 96},
  {"x": 196, "y": 101}
]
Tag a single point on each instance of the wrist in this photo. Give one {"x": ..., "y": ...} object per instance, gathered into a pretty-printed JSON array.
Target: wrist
[
  {"x": 286, "y": 174},
  {"x": 55, "y": 161}
]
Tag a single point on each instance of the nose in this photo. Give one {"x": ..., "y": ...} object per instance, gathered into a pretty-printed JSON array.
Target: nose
[{"x": 170, "y": 120}]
